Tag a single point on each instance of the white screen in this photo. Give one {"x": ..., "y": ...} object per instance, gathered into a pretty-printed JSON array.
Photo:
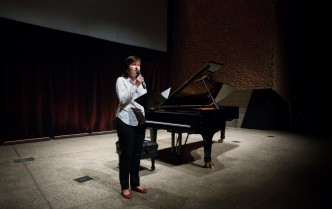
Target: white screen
[{"x": 140, "y": 23}]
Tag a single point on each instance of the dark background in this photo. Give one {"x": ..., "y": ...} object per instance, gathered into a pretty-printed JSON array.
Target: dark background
[{"x": 55, "y": 83}]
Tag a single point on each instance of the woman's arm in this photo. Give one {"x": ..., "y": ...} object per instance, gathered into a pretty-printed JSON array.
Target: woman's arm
[{"x": 124, "y": 91}]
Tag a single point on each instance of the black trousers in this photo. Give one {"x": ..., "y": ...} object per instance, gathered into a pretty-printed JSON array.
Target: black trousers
[{"x": 131, "y": 140}]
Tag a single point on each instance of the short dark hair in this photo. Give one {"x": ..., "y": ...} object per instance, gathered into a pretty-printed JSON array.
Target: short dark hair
[{"x": 128, "y": 61}]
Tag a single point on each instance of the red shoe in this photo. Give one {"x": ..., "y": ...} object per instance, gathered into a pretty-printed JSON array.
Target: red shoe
[
  {"x": 127, "y": 196},
  {"x": 140, "y": 190}
]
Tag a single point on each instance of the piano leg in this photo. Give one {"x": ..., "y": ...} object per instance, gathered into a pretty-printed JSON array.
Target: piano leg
[
  {"x": 207, "y": 142},
  {"x": 222, "y": 136},
  {"x": 153, "y": 137},
  {"x": 153, "y": 134}
]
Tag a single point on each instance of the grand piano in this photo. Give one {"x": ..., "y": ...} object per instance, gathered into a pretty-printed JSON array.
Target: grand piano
[{"x": 193, "y": 109}]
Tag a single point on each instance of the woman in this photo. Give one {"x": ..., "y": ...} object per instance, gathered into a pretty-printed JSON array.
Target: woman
[{"x": 130, "y": 131}]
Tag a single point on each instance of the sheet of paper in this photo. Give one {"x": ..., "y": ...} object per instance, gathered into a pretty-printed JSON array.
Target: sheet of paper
[
  {"x": 152, "y": 98},
  {"x": 166, "y": 92}
]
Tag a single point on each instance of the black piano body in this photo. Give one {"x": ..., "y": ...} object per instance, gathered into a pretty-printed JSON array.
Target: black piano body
[{"x": 193, "y": 109}]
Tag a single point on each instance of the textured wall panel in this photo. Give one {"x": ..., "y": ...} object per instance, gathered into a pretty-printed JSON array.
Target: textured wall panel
[{"x": 240, "y": 34}]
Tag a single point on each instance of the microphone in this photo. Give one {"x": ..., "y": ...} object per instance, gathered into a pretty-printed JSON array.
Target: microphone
[{"x": 138, "y": 73}]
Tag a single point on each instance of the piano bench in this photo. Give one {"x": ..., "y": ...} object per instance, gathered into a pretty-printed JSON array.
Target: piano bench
[{"x": 150, "y": 150}]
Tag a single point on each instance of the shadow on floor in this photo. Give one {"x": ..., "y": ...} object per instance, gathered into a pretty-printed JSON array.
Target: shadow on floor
[{"x": 190, "y": 152}]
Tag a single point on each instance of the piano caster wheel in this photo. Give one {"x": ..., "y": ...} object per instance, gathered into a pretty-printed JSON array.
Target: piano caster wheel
[
  {"x": 221, "y": 140},
  {"x": 209, "y": 165}
]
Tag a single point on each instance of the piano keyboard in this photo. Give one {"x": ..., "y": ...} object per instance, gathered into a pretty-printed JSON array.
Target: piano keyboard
[{"x": 169, "y": 124}]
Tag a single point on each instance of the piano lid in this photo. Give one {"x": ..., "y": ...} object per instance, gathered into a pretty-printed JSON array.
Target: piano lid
[{"x": 198, "y": 91}]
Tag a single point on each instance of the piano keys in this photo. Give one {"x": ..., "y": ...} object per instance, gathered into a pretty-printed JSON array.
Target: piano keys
[{"x": 193, "y": 109}]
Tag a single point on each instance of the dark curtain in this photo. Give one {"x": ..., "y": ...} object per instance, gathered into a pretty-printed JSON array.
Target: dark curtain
[{"x": 56, "y": 83}]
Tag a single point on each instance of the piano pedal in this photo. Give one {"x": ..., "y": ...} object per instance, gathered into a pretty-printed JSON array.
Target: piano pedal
[{"x": 209, "y": 165}]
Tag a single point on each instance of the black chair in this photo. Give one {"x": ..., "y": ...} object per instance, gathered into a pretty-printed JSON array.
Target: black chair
[{"x": 150, "y": 150}]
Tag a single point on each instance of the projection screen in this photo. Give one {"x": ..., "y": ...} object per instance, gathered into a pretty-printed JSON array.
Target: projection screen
[{"x": 140, "y": 23}]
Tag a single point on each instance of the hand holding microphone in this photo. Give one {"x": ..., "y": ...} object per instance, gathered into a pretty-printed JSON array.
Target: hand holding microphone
[{"x": 138, "y": 73}]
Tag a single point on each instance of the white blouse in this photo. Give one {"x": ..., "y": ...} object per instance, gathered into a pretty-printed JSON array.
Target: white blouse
[{"x": 127, "y": 92}]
